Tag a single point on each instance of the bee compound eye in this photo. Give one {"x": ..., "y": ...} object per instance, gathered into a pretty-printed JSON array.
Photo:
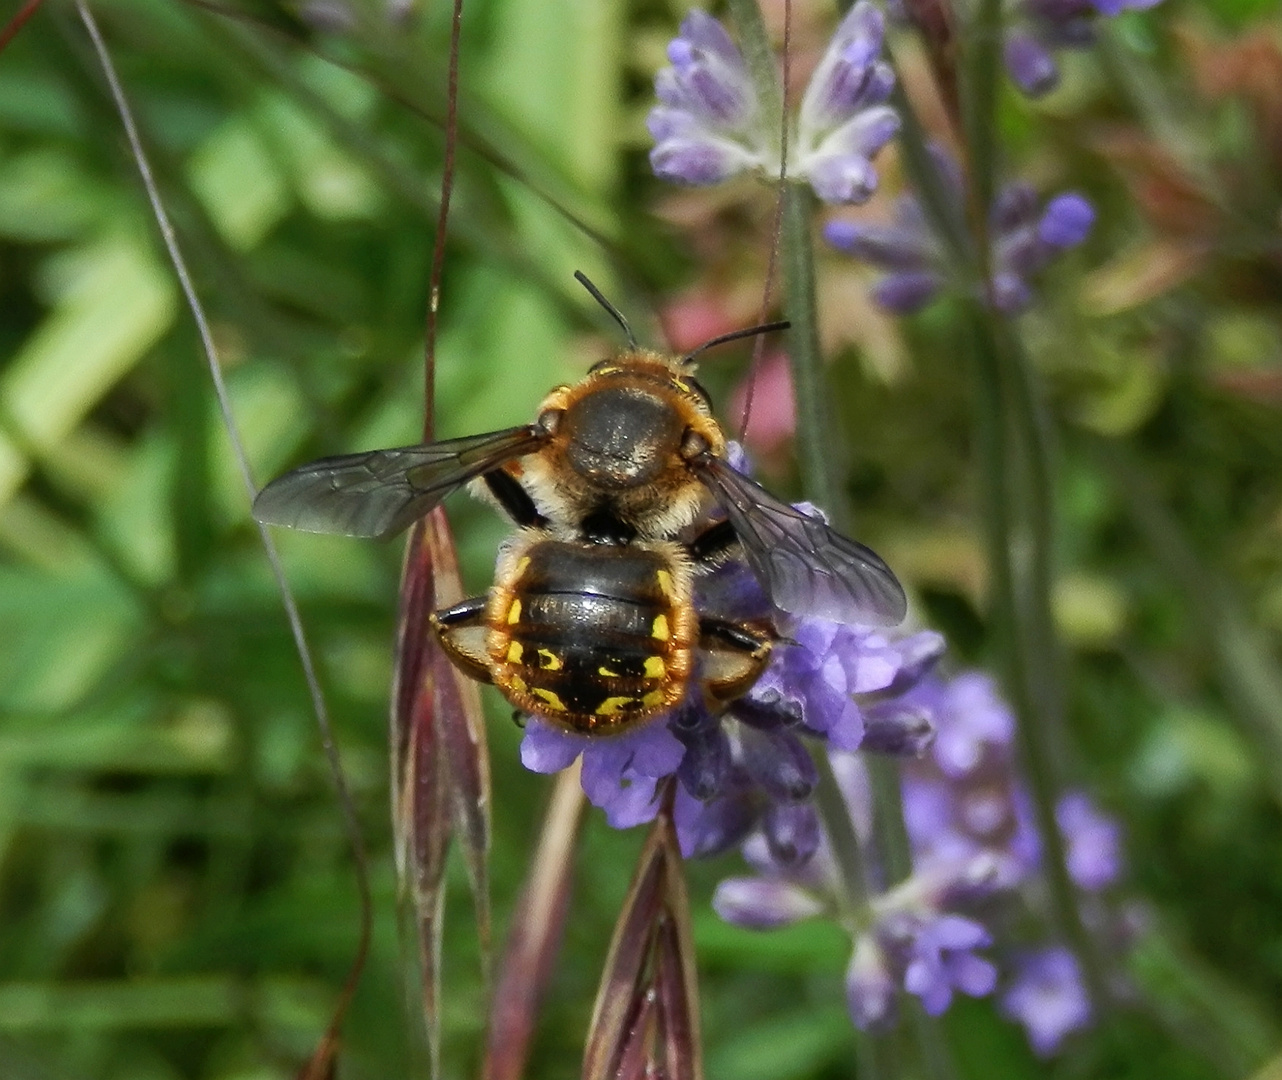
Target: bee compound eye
[
  {"x": 693, "y": 444},
  {"x": 550, "y": 420}
]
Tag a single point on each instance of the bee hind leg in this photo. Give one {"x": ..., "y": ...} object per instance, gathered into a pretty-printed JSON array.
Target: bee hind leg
[
  {"x": 461, "y": 631},
  {"x": 733, "y": 654}
]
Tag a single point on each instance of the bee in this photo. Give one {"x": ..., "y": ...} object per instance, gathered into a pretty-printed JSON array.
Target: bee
[{"x": 621, "y": 492}]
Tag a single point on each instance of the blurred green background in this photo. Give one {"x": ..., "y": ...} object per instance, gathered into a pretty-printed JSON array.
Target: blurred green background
[{"x": 176, "y": 894}]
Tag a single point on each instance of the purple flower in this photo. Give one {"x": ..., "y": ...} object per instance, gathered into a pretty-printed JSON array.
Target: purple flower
[
  {"x": 941, "y": 959},
  {"x": 1047, "y": 996},
  {"x": 1025, "y": 239},
  {"x": 709, "y": 124},
  {"x": 1036, "y": 28},
  {"x": 1093, "y": 843},
  {"x": 764, "y": 903},
  {"x": 620, "y": 772},
  {"x": 844, "y": 120}
]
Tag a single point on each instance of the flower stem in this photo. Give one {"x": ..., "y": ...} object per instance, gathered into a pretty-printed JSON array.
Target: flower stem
[
  {"x": 815, "y": 440},
  {"x": 1015, "y": 483}
]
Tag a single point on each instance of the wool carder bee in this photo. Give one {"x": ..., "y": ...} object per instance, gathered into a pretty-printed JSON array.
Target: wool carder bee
[{"x": 622, "y": 493}]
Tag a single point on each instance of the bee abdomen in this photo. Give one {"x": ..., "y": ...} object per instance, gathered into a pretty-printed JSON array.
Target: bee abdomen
[{"x": 592, "y": 639}]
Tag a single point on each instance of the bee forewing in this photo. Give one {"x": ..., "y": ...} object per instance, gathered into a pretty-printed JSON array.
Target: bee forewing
[
  {"x": 378, "y": 493},
  {"x": 805, "y": 567}
]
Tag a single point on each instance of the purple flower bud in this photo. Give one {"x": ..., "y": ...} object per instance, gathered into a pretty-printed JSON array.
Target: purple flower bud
[
  {"x": 1067, "y": 220},
  {"x": 704, "y": 32},
  {"x": 842, "y": 122},
  {"x": 792, "y": 833},
  {"x": 906, "y": 292},
  {"x": 778, "y": 762},
  {"x": 892, "y": 729},
  {"x": 843, "y": 178},
  {"x": 1014, "y": 207},
  {"x": 1010, "y": 293},
  {"x": 706, "y": 766},
  {"x": 1048, "y": 997},
  {"x": 705, "y": 829},
  {"x": 887, "y": 246},
  {"x": 763, "y": 904},
  {"x": 870, "y": 990},
  {"x": 707, "y": 127},
  {"x": 1030, "y": 66}
]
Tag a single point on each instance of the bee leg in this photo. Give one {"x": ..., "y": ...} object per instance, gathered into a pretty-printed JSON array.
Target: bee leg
[
  {"x": 461, "y": 630},
  {"x": 734, "y": 655},
  {"x": 713, "y": 544},
  {"x": 513, "y": 499}
]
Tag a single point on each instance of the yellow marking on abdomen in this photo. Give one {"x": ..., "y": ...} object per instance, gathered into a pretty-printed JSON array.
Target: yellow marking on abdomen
[
  {"x": 665, "y": 582},
  {"x": 549, "y": 661},
  {"x": 550, "y": 698},
  {"x": 521, "y": 564},
  {"x": 659, "y": 629},
  {"x": 655, "y": 668},
  {"x": 612, "y": 706},
  {"x": 607, "y": 672},
  {"x": 653, "y": 699},
  {"x": 514, "y": 651},
  {"x": 514, "y": 613},
  {"x": 518, "y": 684}
]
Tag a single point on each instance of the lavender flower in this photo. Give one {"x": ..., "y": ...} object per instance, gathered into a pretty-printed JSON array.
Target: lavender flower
[
  {"x": 1048, "y": 997},
  {"x": 1093, "y": 841},
  {"x": 1025, "y": 239},
  {"x": 710, "y": 124},
  {"x": 620, "y": 773},
  {"x": 973, "y": 843},
  {"x": 912, "y": 937},
  {"x": 1036, "y": 28},
  {"x": 844, "y": 120}
]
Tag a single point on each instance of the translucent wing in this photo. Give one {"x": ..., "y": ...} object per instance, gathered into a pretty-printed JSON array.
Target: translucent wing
[
  {"x": 380, "y": 492},
  {"x": 805, "y": 567}
]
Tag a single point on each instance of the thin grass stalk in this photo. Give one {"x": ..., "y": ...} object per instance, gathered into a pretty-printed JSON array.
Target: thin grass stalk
[{"x": 323, "y": 1059}]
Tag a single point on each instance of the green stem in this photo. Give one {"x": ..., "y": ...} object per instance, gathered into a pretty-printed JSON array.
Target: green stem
[
  {"x": 815, "y": 439},
  {"x": 1017, "y": 520}
]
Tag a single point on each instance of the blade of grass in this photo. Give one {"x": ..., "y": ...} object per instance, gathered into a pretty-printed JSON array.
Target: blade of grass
[{"x": 324, "y": 1053}]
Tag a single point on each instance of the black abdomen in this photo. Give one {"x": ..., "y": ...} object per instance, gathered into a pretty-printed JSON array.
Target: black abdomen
[{"x": 592, "y": 637}]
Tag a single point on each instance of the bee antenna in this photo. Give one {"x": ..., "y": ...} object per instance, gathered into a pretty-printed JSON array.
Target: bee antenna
[
  {"x": 735, "y": 335},
  {"x": 615, "y": 313}
]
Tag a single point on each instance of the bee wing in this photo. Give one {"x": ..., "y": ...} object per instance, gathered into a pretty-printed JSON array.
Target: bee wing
[
  {"x": 380, "y": 492},
  {"x": 805, "y": 567}
]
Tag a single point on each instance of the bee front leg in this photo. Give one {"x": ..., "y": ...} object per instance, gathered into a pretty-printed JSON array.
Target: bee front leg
[
  {"x": 461, "y": 630},
  {"x": 513, "y": 499},
  {"x": 713, "y": 545}
]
